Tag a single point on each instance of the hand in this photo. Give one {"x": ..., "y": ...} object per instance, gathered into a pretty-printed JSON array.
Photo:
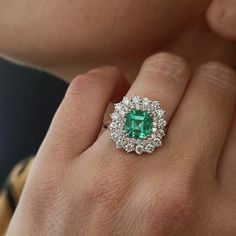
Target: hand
[{"x": 80, "y": 184}]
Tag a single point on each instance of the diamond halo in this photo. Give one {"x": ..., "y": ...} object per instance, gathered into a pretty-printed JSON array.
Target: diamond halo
[{"x": 131, "y": 119}]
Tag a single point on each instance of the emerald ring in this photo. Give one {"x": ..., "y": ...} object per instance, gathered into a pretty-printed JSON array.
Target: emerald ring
[{"x": 138, "y": 125}]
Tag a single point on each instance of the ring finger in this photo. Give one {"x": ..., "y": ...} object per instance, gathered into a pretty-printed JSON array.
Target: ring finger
[{"x": 162, "y": 77}]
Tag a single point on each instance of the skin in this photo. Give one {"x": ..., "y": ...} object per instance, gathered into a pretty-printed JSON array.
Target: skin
[
  {"x": 80, "y": 184},
  {"x": 85, "y": 42},
  {"x": 222, "y": 18},
  {"x": 83, "y": 185}
]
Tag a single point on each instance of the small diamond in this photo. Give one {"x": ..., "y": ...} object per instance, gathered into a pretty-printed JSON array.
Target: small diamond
[
  {"x": 154, "y": 129},
  {"x": 122, "y": 113},
  {"x": 154, "y": 124},
  {"x": 160, "y": 112},
  {"x": 136, "y": 100},
  {"x": 119, "y": 107},
  {"x": 120, "y": 125},
  {"x": 112, "y": 126},
  {"x": 163, "y": 123},
  {"x": 160, "y": 134},
  {"x": 121, "y": 143},
  {"x": 129, "y": 147},
  {"x": 126, "y": 101},
  {"x": 153, "y": 136},
  {"x": 156, "y": 104},
  {"x": 115, "y": 136},
  {"x": 115, "y": 116},
  {"x": 157, "y": 142},
  {"x": 139, "y": 149},
  {"x": 149, "y": 148},
  {"x": 146, "y": 101}
]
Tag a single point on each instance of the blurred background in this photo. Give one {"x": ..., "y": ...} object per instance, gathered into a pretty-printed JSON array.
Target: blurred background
[{"x": 28, "y": 101}]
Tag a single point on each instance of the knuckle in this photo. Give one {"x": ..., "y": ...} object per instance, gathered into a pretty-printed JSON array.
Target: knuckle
[
  {"x": 112, "y": 69},
  {"x": 85, "y": 84},
  {"x": 165, "y": 56},
  {"x": 177, "y": 199},
  {"x": 95, "y": 80},
  {"x": 165, "y": 64},
  {"x": 219, "y": 75},
  {"x": 172, "y": 205},
  {"x": 107, "y": 75}
]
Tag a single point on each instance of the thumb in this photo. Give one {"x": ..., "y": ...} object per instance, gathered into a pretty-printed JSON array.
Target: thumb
[{"x": 221, "y": 18}]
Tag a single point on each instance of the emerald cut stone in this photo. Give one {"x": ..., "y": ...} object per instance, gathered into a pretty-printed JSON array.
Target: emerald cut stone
[{"x": 138, "y": 124}]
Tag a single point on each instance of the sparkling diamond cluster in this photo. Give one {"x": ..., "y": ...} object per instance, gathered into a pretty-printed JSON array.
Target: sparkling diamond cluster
[{"x": 134, "y": 118}]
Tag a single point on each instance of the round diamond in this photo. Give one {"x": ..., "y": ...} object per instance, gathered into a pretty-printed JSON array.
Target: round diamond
[
  {"x": 139, "y": 149},
  {"x": 129, "y": 147},
  {"x": 136, "y": 100},
  {"x": 153, "y": 136},
  {"x": 146, "y": 102},
  {"x": 149, "y": 148},
  {"x": 115, "y": 136},
  {"x": 126, "y": 101},
  {"x": 115, "y": 117},
  {"x": 121, "y": 143},
  {"x": 156, "y": 105},
  {"x": 112, "y": 126},
  {"x": 157, "y": 142},
  {"x": 154, "y": 129},
  {"x": 160, "y": 112}
]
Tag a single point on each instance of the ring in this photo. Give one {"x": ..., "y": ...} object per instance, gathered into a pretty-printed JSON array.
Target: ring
[{"x": 138, "y": 125}]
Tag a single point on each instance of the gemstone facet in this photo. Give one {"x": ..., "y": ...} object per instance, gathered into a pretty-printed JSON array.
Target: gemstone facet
[{"x": 138, "y": 124}]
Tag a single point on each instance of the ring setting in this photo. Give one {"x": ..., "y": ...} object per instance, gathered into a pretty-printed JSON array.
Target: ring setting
[{"x": 138, "y": 125}]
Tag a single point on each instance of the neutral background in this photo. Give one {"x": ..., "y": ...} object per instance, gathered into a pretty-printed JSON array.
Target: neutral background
[{"x": 28, "y": 101}]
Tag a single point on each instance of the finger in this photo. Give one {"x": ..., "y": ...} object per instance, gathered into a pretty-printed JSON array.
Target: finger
[
  {"x": 162, "y": 77},
  {"x": 79, "y": 118},
  {"x": 227, "y": 163},
  {"x": 202, "y": 120},
  {"x": 221, "y": 17}
]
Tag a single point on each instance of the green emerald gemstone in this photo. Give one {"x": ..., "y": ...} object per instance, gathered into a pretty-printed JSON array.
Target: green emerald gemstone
[{"x": 138, "y": 124}]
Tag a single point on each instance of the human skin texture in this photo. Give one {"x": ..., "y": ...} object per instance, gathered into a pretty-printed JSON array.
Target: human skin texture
[
  {"x": 222, "y": 18},
  {"x": 80, "y": 184},
  {"x": 71, "y": 37}
]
